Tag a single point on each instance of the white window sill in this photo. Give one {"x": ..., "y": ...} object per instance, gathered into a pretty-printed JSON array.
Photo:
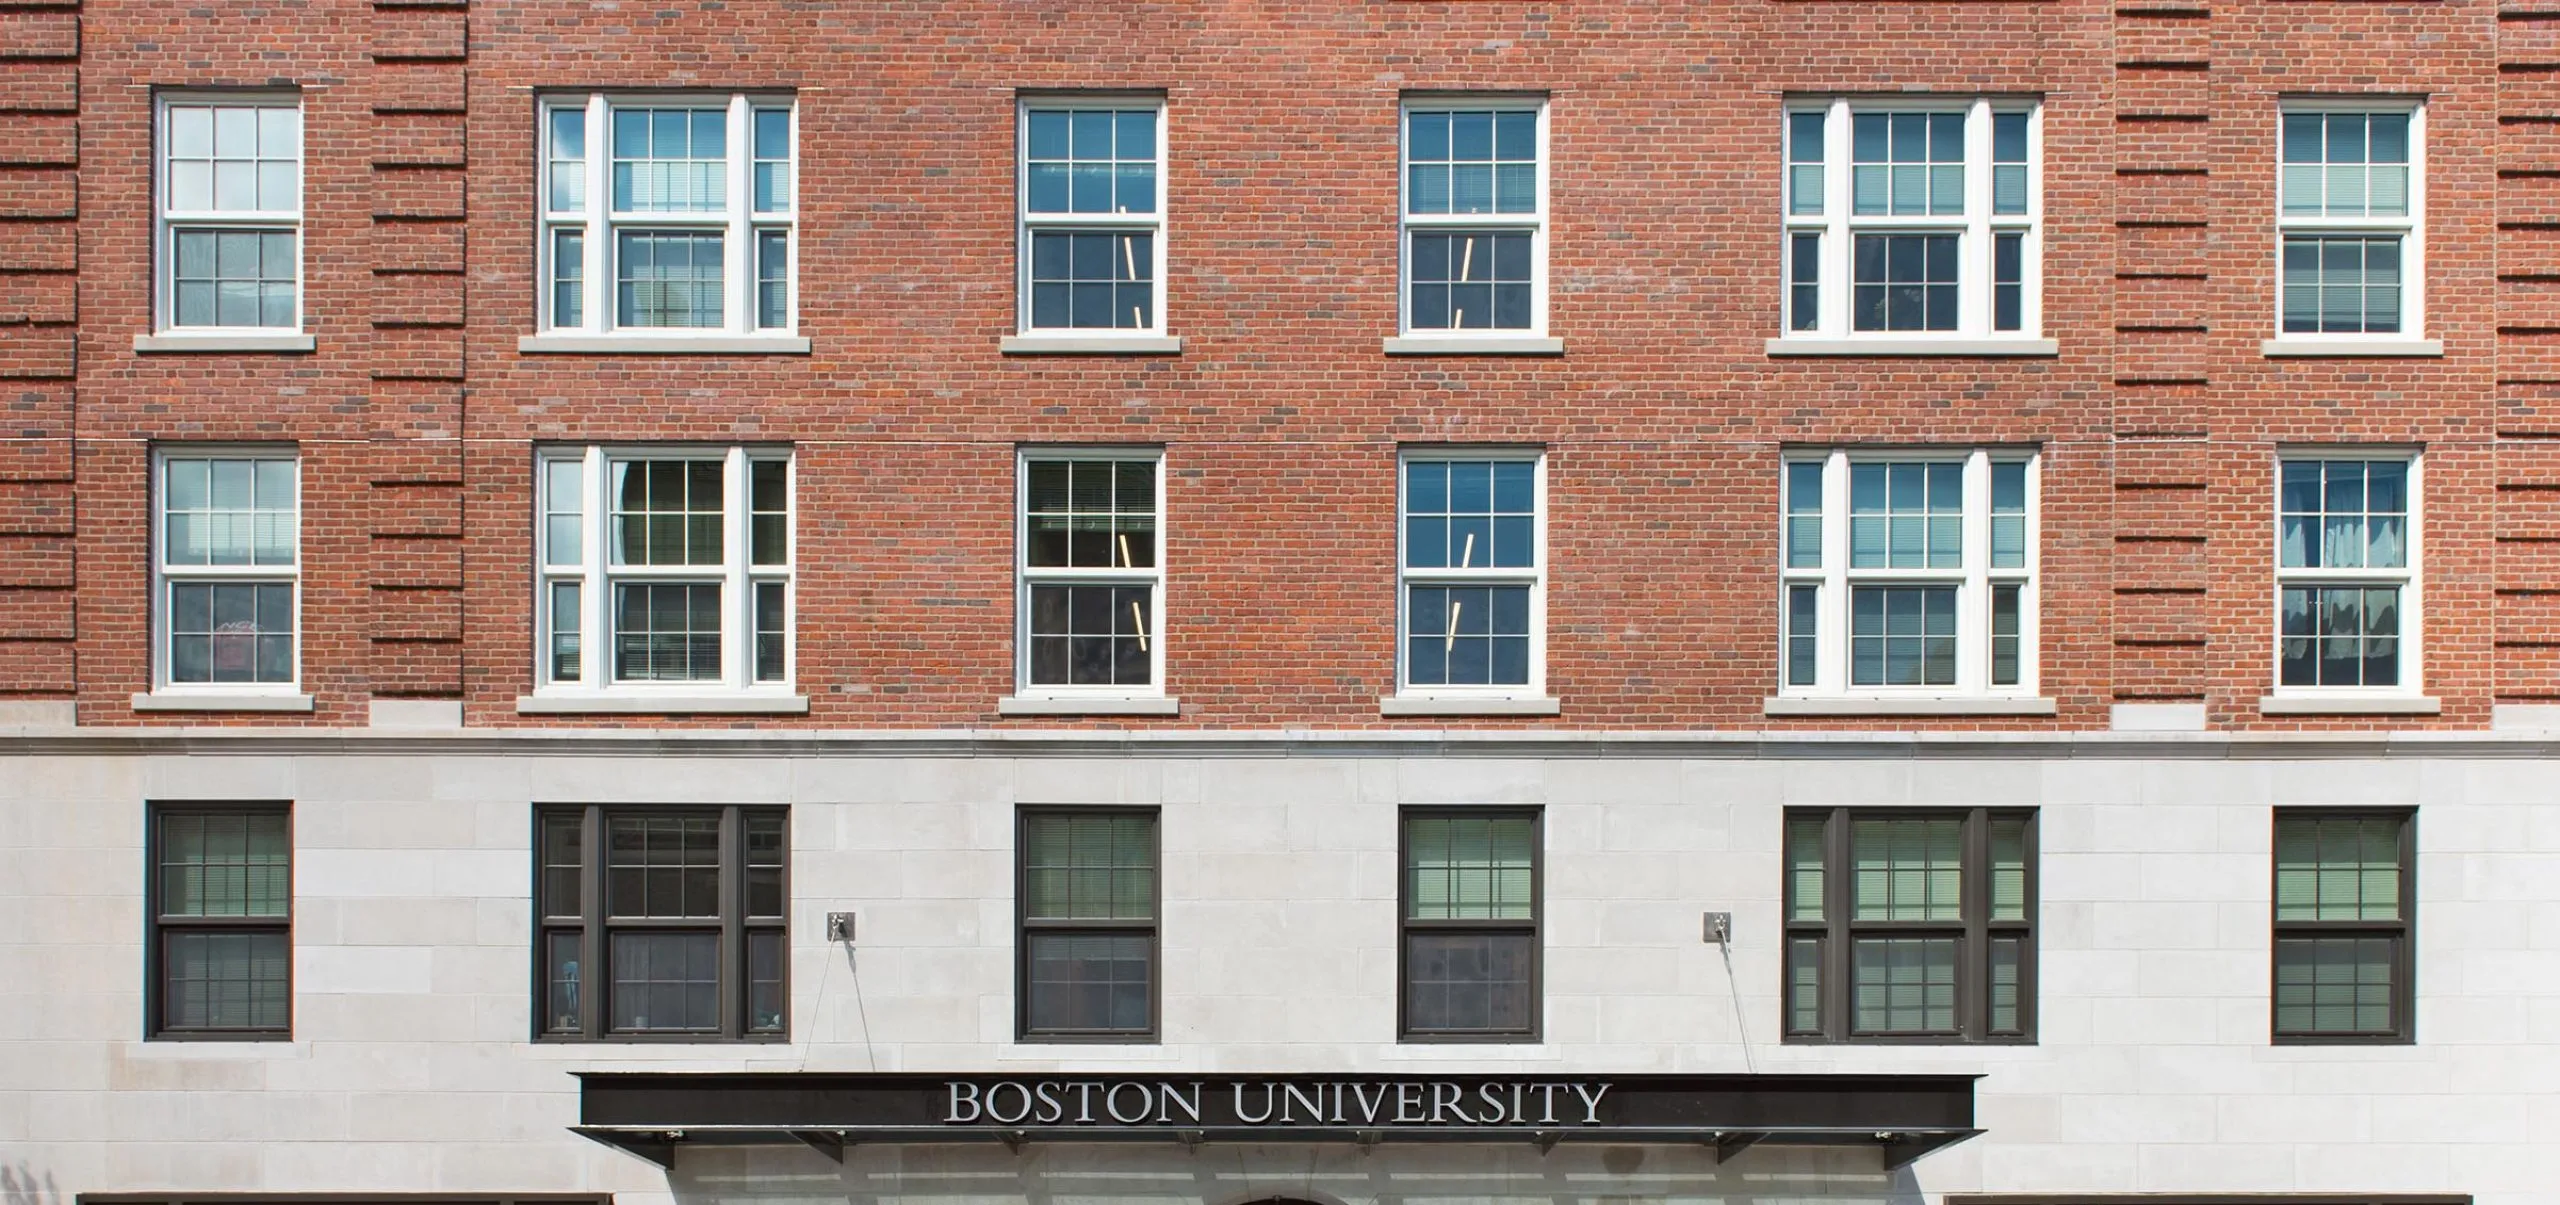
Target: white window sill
[
  {"x": 638, "y": 703},
  {"x": 1412, "y": 705},
  {"x": 2010, "y": 346},
  {"x": 664, "y": 345},
  {"x": 1874, "y": 705},
  {"x": 180, "y": 342},
  {"x": 1475, "y": 345},
  {"x": 181, "y": 701},
  {"x": 1090, "y": 345},
  {"x": 2350, "y": 705},
  {"x": 1094, "y": 705},
  {"x": 2348, "y": 348}
]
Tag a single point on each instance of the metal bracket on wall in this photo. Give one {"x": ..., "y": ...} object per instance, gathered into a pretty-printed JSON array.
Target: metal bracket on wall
[
  {"x": 1719, "y": 928},
  {"x": 840, "y": 926}
]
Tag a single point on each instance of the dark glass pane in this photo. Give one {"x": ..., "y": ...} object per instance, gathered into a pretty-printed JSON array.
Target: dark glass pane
[
  {"x": 666, "y": 982},
  {"x": 766, "y": 1002},
  {"x": 764, "y": 862},
  {"x": 1088, "y": 982},
  {"x": 561, "y": 977},
  {"x": 561, "y": 859},
  {"x": 663, "y": 865},
  {"x": 1904, "y": 984},
  {"x": 224, "y": 980},
  {"x": 1469, "y": 982},
  {"x": 2341, "y": 985}
]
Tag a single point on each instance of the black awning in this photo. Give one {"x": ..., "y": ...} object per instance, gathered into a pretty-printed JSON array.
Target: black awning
[{"x": 652, "y": 1114}]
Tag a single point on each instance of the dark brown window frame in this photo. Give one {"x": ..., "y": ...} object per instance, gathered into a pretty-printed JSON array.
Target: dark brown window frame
[
  {"x": 2210, "y": 1198},
  {"x": 1535, "y": 927},
  {"x": 1836, "y": 930},
  {"x": 1024, "y": 925},
  {"x": 594, "y": 926},
  {"x": 341, "y": 1198},
  {"x": 2404, "y": 970},
  {"x": 155, "y": 969}
]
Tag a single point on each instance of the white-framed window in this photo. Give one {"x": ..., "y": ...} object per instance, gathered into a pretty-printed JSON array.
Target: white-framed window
[
  {"x": 2351, "y": 219},
  {"x": 1091, "y": 572},
  {"x": 663, "y": 568},
  {"x": 227, "y": 581},
  {"x": 229, "y": 232},
  {"x": 669, "y": 215},
  {"x": 1091, "y": 210},
  {"x": 2347, "y": 571},
  {"x": 1471, "y": 572},
  {"x": 1474, "y": 240},
  {"x": 1913, "y": 217},
  {"x": 1908, "y": 572}
]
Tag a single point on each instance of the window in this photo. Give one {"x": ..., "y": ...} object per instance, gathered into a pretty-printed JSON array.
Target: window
[
  {"x": 2350, "y": 220},
  {"x": 1910, "y": 925},
  {"x": 676, "y": 563},
  {"x": 1091, "y": 572},
  {"x": 1088, "y": 943},
  {"x": 1092, "y": 215},
  {"x": 669, "y": 215},
  {"x": 1908, "y": 573},
  {"x": 230, "y": 232},
  {"x": 2345, "y": 890},
  {"x": 675, "y": 915},
  {"x": 1912, "y": 217},
  {"x": 1471, "y": 903},
  {"x": 2347, "y": 573},
  {"x": 1475, "y": 216},
  {"x": 221, "y": 921},
  {"x": 1472, "y": 580},
  {"x": 228, "y": 589}
]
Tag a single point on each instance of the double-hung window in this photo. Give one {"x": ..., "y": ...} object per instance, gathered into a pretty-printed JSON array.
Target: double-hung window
[
  {"x": 1092, "y": 216},
  {"x": 2350, "y": 221},
  {"x": 669, "y": 215},
  {"x": 1473, "y": 574},
  {"x": 1471, "y": 905},
  {"x": 661, "y": 922},
  {"x": 230, "y": 228},
  {"x": 1912, "y": 218},
  {"x": 1092, "y": 575},
  {"x": 1908, "y": 572},
  {"x": 229, "y": 583},
  {"x": 2347, "y": 573},
  {"x": 1087, "y": 952},
  {"x": 1475, "y": 216},
  {"x": 664, "y": 569},
  {"x": 221, "y": 920},
  {"x": 2344, "y": 897},
  {"x": 1910, "y": 925}
]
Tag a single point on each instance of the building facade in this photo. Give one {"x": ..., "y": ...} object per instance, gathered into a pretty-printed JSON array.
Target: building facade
[{"x": 1816, "y": 600}]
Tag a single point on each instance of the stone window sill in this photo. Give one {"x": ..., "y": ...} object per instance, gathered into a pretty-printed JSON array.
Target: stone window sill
[
  {"x": 1090, "y": 345},
  {"x": 1798, "y": 706},
  {"x": 658, "y": 704},
  {"x": 2350, "y": 705},
  {"x": 663, "y": 345},
  {"x": 1424, "y": 705},
  {"x": 181, "y": 343},
  {"x": 180, "y": 701},
  {"x": 1484, "y": 345},
  {"x": 1913, "y": 347},
  {"x": 1096, "y": 705},
  {"x": 2351, "y": 348}
]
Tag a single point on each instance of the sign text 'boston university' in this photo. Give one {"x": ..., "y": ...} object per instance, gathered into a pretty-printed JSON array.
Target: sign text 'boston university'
[{"x": 1283, "y": 1102}]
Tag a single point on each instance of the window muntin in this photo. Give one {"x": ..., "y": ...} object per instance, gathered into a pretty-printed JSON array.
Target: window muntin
[
  {"x": 1092, "y": 215},
  {"x": 1907, "y": 572},
  {"x": 221, "y": 920},
  {"x": 2344, "y": 898},
  {"x": 1912, "y": 218},
  {"x": 683, "y": 909},
  {"x": 2347, "y": 577},
  {"x": 1091, "y": 572},
  {"x": 2350, "y": 219},
  {"x": 1909, "y": 925},
  {"x": 1089, "y": 897},
  {"x": 676, "y": 563},
  {"x": 1470, "y": 902},
  {"x": 227, "y": 552},
  {"x": 669, "y": 215},
  {"x": 230, "y": 213},
  {"x": 1475, "y": 216},
  {"x": 1471, "y": 573}
]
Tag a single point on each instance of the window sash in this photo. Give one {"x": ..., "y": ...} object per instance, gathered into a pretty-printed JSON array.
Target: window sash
[
  {"x": 1409, "y": 927},
  {"x": 592, "y": 929},
  {"x": 1533, "y": 223},
  {"x": 1835, "y": 932}
]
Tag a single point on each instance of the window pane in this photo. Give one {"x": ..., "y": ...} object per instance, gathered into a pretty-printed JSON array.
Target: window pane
[
  {"x": 1490, "y": 160},
  {"x": 219, "y": 980},
  {"x": 1902, "y": 635},
  {"x": 1802, "y": 637},
  {"x": 2341, "y": 284},
  {"x": 1804, "y": 514},
  {"x": 668, "y": 512},
  {"x": 1804, "y": 868},
  {"x": 1804, "y": 281},
  {"x": 670, "y": 160},
  {"x": 766, "y": 1000},
  {"x": 2335, "y": 985},
  {"x": 1093, "y": 279},
  {"x": 2339, "y": 636},
  {"x": 664, "y": 864},
  {"x": 561, "y": 983},
  {"x": 2007, "y": 967},
  {"x": 1804, "y": 985},
  {"x": 666, "y": 633},
  {"x": 772, "y": 632},
  {"x": 1467, "y": 636},
  {"x": 764, "y": 863},
  {"x": 1904, "y": 282},
  {"x": 668, "y": 278},
  {"x": 1908, "y": 163},
  {"x": 1088, "y": 982},
  {"x": 563, "y": 857},
  {"x": 1469, "y": 867},
  {"x": 1907, "y": 869},
  {"x": 1092, "y": 635},
  {"x": 1089, "y": 867},
  {"x": 1091, "y": 161},
  {"x": 1804, "y": 159},
  {"x": 666, "y": 982},
  {"x": 1469, "y": 982},
  {"x": 231, "y": 632},
  {"x": 2005, "y": 637},
  {"x": 243, "y": 278},
  {"x": 1904, "y": 984},
  {"x": 236, "y": 158},
  {"x": 215, "y": 863},
  {"x": 2008, "y": 868},
  {"x": 1090, "y": 514},
  {"x": 2338, "y": 867},
  {"x": 773, "y": 280},
  {"x": 1486, "y": 518},
  {"x": 1469, "y": 280}
]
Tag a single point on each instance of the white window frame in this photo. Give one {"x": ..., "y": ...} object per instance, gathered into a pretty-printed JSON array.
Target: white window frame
[
  {"x": 164, "y": 575},
  {"x": 1534, "y": 576},
  {"x": 1026, "y": 576},
  {"x": 597, "y": 575},
  {"x": 1027, "y": 223},
  {"x": 1408, "y": 223},
  {"x": 2411, "y": 228},
  {"x": 738, "y": 222},
  {"x": 1839, "y": 226},
  {"x": 2410, "y": 578},
  {"x": 167, "y": 220},
  {"x": 1974, "y": 578}
]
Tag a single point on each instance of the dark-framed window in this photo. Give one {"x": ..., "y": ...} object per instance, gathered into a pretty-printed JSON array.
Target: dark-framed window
[
  {"x": 221, "y": 907},
  {"x": 1910, "y": 925},
  {"x": 661, "y": 922},
  {"x": 1087, "y": 899},
  {"x": 1470, "y": 899},
  {"x": 2345, "y": 906}
]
